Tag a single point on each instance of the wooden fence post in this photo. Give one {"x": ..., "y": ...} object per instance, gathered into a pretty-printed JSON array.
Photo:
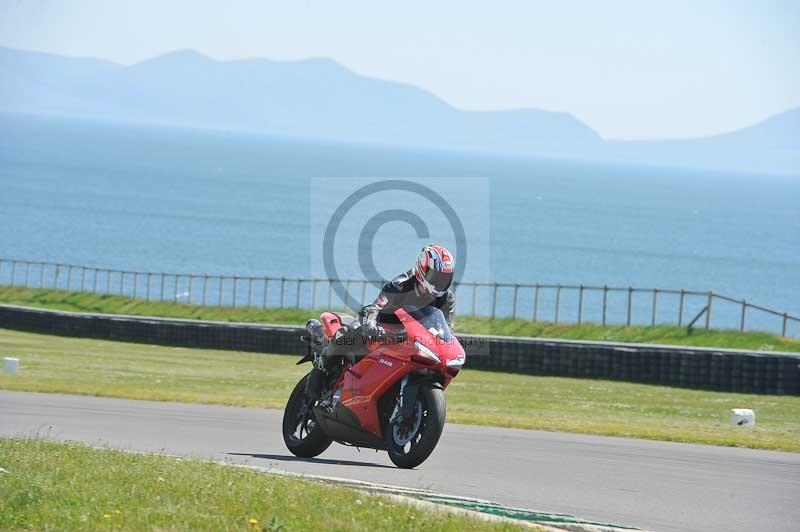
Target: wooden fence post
[
  {"x": 630, "y": 297},
  {"x": 744, "y": 311},
  {"x": 655, "y": 303},
  {"x": 494, "y": 301},
  {"x": 558, "y": 301},
  {"x": 474, "y": 297},
  {"x": 516, "y": 293}
]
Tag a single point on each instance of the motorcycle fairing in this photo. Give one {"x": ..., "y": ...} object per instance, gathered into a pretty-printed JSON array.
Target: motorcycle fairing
[
  {"x": 364, "y": 383},
  {"x": 343, "y": 426}
]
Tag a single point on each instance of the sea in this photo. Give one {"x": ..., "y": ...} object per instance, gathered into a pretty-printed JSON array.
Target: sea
[{"x": 170, "y": 199}]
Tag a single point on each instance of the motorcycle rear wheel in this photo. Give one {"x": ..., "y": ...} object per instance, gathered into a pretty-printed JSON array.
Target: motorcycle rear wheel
[
  {"x": 409, "y": 446},
  {"x": 301, "y": 434}
]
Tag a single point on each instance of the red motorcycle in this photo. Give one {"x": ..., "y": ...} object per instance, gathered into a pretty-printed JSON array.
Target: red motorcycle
[{"x": 391, "y": 399}]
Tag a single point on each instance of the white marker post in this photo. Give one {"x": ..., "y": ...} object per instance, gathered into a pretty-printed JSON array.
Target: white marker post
[
  {"x": 743, "y": 417},
  {"x": 10, "y": 365}
]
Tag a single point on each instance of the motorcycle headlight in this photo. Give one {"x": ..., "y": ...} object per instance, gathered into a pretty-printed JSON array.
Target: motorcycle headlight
[{"x": 424, "y": 351}]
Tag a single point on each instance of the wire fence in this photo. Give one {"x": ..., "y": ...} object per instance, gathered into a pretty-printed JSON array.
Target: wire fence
[{"x": 557, "y": 303}]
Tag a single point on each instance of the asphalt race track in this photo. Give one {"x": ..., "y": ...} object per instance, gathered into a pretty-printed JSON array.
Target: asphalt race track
[{"x": 654, "y": 485}]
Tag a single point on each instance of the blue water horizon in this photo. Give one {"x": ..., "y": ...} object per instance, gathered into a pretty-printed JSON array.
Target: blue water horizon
[{"x": 168, "y": 199}]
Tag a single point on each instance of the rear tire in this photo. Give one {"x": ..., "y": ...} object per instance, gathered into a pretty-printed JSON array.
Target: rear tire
[
  {"x": 301, "y": 434},
  {"x": 409, "y": 448}
]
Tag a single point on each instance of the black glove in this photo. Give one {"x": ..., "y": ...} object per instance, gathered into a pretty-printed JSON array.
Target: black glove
[{"x": 374, "y": 331}]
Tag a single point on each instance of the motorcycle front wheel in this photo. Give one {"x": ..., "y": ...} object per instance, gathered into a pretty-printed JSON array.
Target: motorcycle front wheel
[
  {"x": 412, "y": 442},
  {"x": 301, "y": 433}
]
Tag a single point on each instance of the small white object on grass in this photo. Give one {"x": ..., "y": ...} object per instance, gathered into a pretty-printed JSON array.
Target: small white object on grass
[
  {"x": 10, "y": 365},
  {"x": 743, "y": 417}
]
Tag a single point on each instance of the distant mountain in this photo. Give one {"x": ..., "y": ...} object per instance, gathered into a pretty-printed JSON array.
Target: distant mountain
[
  {"x": 779, "y": 132},
  {"x": 322, "y": 99},
  {"x": 310, "y": 98},
  {"x": 771, "y": 146}
]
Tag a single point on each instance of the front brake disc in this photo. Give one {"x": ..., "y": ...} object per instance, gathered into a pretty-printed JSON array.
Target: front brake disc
[{"x": 404, "y": 434}]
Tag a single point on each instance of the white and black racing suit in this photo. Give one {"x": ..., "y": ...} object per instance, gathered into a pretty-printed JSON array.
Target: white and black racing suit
[{"x": 403, "y": 292}]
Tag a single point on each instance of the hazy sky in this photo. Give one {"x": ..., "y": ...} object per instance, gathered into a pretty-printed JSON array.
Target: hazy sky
[{"x": 637, "y": 69}]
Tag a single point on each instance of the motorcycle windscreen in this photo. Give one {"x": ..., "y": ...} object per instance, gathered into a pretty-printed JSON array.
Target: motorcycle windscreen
[{"x": 426, "y": 323}]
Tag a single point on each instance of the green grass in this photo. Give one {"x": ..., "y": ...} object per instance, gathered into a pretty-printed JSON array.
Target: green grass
[
  {"x": 137, "y": 371},
  {"x": 78, "y": 301},
  {"x": 67, "y": 486}
]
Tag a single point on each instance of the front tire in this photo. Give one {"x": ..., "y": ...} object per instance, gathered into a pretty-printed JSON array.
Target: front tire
[
  {"x": 301, "y": 433},
  {"x": 412, "y": 444}
]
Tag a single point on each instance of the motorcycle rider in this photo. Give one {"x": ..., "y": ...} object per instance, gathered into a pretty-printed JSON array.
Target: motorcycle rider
[{"x": 427, "y": 283}]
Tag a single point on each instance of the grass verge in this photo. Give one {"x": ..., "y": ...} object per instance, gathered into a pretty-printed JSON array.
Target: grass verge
[
  {"x": 67, "y": 486},
  {"x": 137, "y": 371},
  {"x": 87, "y": 302}
]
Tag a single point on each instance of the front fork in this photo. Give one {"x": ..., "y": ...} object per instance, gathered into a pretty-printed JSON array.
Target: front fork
[
  {"x": 314, "y": 384},
  {"x": 404, "y": 408}
]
